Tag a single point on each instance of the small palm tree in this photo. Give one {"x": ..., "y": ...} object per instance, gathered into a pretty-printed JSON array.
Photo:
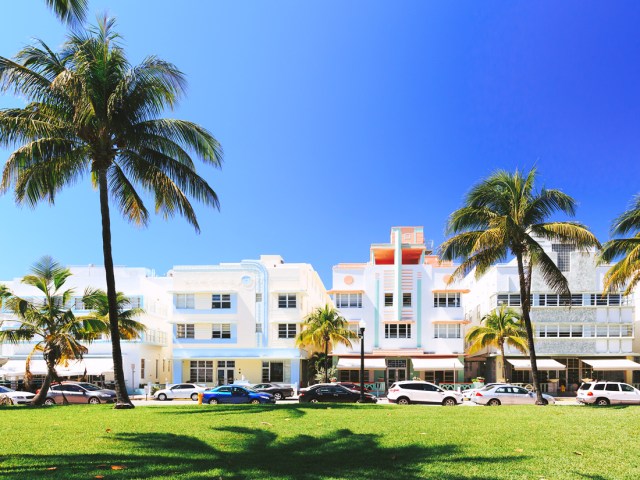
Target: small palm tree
[
  {"x": 322, "y": 329},
  {"x": 72, "y": 12},
  {"x": 91, "y": 113},
  {"x": 97, "y": 301},
  {"x": 625, "y": 274},
  {"x": 57, "y": 333},
  {"x": 498, "y": 328},
  {"x": 505, "y": 216}
]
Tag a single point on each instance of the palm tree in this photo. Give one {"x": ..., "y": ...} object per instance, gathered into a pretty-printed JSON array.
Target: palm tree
[
  {"x": 504, "y": 216},
  {"x": 97, "y": 301},
  {"x": 625, "y": 274},
  {"x": 72, "y": 12},
  {"x": 91, "y": 112},
  {"x": 57, "y": 332},
  {"x": 499, "y": 327},
  {"x": 323, "y": 328}
]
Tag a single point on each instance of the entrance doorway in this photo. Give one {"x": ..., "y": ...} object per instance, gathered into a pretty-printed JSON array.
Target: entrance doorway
[
  {"x": 396, "y": 371},
  {"x": 225, "y": 371}
]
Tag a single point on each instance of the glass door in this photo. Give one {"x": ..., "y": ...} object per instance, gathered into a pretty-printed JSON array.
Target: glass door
[
  {"x": 396, "y": 371},
  {"x": 225, "y": 371}
]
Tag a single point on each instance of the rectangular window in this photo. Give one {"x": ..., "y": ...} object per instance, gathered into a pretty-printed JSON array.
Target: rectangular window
[
  {"x": 564, "y": 331},
  {"x": 447, "y": 331},
  {"x": 577, "y": 331},
  {"x": 134, "y": 302},
  {"x": 185, "y": 300},
  {"x": 287, "y": 300},
  {"x": 221, "y": 330},
  {"x": 201, "y": 371},
  {"x": 388, "y": 299},
  {"x": 185, "y": 330},
  {"x": 258, "y": 297},
  {"x": 626, "y": 330},
  {"x": 450, "y": 300},
  {"x": 287, "y": 330},
  {"x": 258, "y": 328},
  {"x": 406, "y": 299},
  {"x": 402, "y": 330},
  {"x": 576, "y": 300},
  {"x": 221, "y": 300},
  {"x": 552, "y": 331},
  {"x": 348, "y": 300},
  {"x": 396, "y": 363},
  {"x": 564, "y": 255},
  {"x": 142, "y": 372},
  {"x": 352, "y": 376},
  {"x": 272, "y": 372},
  {"x": 78, "y": 304}
]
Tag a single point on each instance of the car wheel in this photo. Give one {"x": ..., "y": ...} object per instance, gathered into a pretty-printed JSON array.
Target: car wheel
[
  {"x": 277, "y": 396},
  {"x": 94, "y": 400},
  {"x": 213, "y": 401},
  {"x": 403, "y": 401},
  {"x": 602, "y": 402},
  {"x": 255, "y": 401},
  {"x": 494, "y": 402},
  {"x": 449, "y": 402},
  {"x": 49, "y": 401},
  {"x": 162, "y": 397},
  {"x": 313, "y": 400},
  {"x": 194, "y": 397}
]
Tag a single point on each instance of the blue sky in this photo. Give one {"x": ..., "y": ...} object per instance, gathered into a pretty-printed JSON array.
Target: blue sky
[{"x": 342, "y": 119}]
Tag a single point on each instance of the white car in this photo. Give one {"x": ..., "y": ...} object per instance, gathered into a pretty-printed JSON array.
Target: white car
[
  {"x": 411, "y": 391},
  {"x": 467, "y": 394},
  {"x": 17, "y": 398},
  {"x": 181, "y": 390},
  {"x": 607, "y": 393},
  {"x": 504, "y": 394}
]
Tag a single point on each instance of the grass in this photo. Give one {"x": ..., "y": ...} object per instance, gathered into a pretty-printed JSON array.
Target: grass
[{"x": 317, "y": 442}]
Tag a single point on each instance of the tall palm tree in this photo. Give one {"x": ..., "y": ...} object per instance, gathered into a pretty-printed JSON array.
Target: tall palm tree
[
  {"x": 323, "y": 328},
  {"x": 625, "y": 274},
  {"x": 97, "y": 301},
  {"x": 505, "y": 216},
  {"x": 48, "y": 321},
  {"x": 72, "y": 12},
  {"x": 498, "y": 328},
  {"x": 92, "y": 113}
]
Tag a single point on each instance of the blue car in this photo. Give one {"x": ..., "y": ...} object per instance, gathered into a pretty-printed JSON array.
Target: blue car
[{"x": 236, "y": 395}]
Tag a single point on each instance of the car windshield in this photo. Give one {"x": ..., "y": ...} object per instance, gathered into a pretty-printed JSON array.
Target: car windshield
[
  {"x": 6, "y": 389},
  {"x": 487, "y": 387},
  {"x": 585, "y": 386},
  {"x": 89, "y": 386}
]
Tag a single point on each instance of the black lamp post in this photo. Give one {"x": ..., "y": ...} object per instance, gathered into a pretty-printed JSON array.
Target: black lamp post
[{"x": 362, "y": 326}]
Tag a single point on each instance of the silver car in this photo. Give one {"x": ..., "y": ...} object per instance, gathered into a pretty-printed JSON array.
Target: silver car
[
  {"x": 494, "y": 395},
  {"x": 78, "y": 392}
]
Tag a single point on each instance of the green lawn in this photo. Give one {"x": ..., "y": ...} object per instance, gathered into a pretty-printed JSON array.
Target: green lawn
[{"x": 314, "y": 442}]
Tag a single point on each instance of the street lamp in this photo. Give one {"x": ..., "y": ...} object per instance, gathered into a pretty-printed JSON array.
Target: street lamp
[{"x": 362, "y": 326}]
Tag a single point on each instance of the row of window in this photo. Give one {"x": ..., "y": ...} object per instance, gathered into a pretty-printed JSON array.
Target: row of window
[
  {"x": 584, "y": 331},
  {"x": 573, "y": 300},
  {"x": 223, "y": 330},
  {"x": 354, "y": 300},
  {"x": 222, "y": 301},
  {"x": 202, "y": 371}
]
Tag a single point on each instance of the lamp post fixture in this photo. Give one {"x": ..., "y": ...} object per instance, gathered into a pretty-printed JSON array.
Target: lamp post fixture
[{"x": 362, "y": 326}]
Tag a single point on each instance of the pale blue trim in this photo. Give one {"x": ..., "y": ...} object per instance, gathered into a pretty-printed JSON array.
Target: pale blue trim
[
  {"x": 176, "y": 371},
  {"x": 295, "y": 372}
]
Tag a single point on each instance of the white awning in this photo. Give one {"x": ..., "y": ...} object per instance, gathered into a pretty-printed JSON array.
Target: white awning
[
  {"x": 16, "y": 368},
  {"x": 354, "y": 363},
  {"x": 613, "y": 364},
  {"x": 93, "y": 366},
  {"x": 420, "y": 364},
  {"x": 543, "y": 364}
]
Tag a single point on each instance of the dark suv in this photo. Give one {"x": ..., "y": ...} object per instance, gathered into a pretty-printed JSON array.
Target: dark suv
[{"x": 78, "y": 392}]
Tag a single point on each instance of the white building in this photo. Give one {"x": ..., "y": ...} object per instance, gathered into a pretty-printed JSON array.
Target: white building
[
  {"x": 582, "y": 335},
  {"x": 414, "y": 322}
]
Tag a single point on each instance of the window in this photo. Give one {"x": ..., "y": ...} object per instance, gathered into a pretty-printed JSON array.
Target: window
[
  {"x": 406, "y": 299},
  {"x": 447, "y": 331},
  {"x": 612, "y": 387},
  {"x": 142, "y": 372},
  {"x": 221, "y": 330},
  {"x": 157, "y": 361},
  {"x": 185, "y": 300},
  {"x": 272, "y": 372},
  {"x": 402, "y": 330},
  {"x": 348, "y": 300},
  {"x": 220, "y": 300},
  {"x": 393, "y": 363},
  {"x": 564, "y": 255},
  {"x": 258, "y": 328},
  {"x": 352, "y": 376},
  {"x": 287, "y": 330},
  {"x": 201, "y": 371},
  {"x": 258, "y": 297},
  {"x": 185, "y": 330},
  {"x": 78, "y": 304},
  {"x": 446, "y": 299},
  {"x": 388, "y": 299},
  {"x": 287, "y": 300},
  {"x": 135, "y": 302}
]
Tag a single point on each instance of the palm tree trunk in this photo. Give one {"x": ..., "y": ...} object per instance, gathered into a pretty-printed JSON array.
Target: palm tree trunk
[
  {"x": 526, "y": 306},
  {"x": 41, "y": 396},
  {"x": 326, "y": 362},
  {"x": 122, "y": 398},
  {"x": 504, "y": 361}
]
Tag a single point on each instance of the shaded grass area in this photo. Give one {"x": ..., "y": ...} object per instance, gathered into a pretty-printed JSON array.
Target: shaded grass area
[{"x": 318, "y": 442}]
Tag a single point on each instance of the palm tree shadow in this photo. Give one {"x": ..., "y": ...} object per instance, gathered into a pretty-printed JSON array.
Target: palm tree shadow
[{"x": 238, "y": 452}]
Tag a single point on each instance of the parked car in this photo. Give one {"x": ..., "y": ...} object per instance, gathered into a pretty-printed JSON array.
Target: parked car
[
  {"x": 353, "y": 386},
  {"x": 16, "y": 397},
  {"x": 278, "y": 391},
  {"x": 180, "y": 390},
  {"x": 78, "y": 392},
  {"x": 505, "y": 394},
  {"x": 235, "y": 394},
  {"x": 414, "y": 391},
  {"x": 608, "y": 393},
  {"x": 467, "y": 394},
  {"x": 333, "y": 393}
]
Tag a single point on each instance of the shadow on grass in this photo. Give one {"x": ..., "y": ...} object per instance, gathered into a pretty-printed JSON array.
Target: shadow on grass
[
  {"x": 238, "y": 453},
  {"x": 294, "y": 410}
]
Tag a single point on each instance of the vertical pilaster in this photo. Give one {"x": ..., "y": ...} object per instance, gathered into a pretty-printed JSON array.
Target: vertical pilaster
[
  {"x": 397, "y": 294},
  {"x": 176, "y": 371},
  {"x": 419, "y": 313},
  {"x": 376, "y": 315}
]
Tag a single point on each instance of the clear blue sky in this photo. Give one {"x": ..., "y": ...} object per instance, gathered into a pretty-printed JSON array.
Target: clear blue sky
[{"x": 342, "y": 119}]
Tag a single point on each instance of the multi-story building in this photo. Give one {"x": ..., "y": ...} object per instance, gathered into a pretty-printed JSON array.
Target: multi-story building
[
  {"x": 145, "y": 360},
  {"x": 586, "y": 334},
  {"x": 238, "y": 321},
  {"x": 414, "y": 321}
]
